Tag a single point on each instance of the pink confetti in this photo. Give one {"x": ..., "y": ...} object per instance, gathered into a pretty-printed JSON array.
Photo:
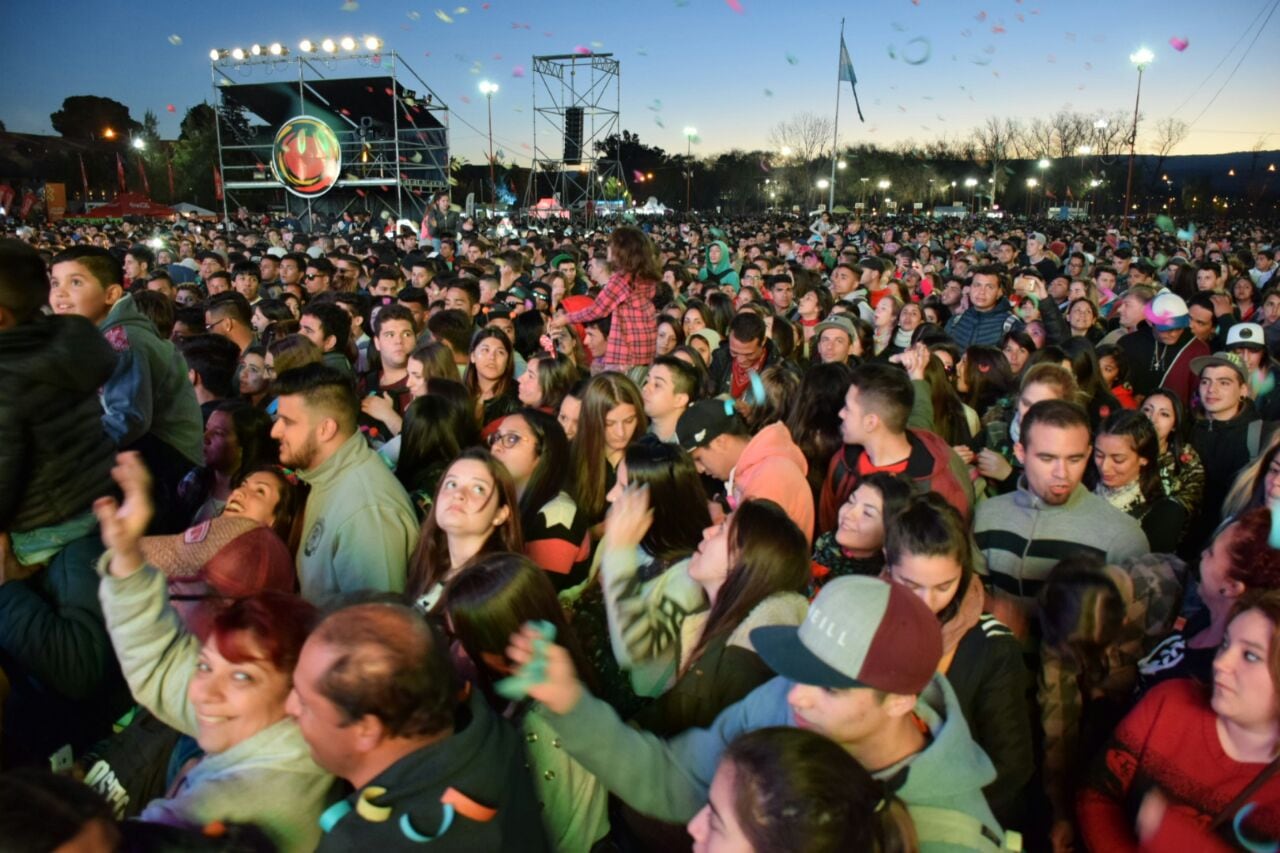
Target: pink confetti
[
  {"x": 735, "y": 5},
  {"x": 981, "y": 16},
  {"x": 518, "y": 71},
  {"x": 484, "y": 6},
  {"x": 1021, "y": 18},
  {"x": 1178, "y": 44},
  {"x": 580, "y": 49},
  {"x": 997, "y": 29},
  {"x": 497, "y": 57},
  {"x": 1088, "y": 66},
  {"x": 464, "y": 99},
  {"x": 171, "y": 108},
  {"x": 1053, "y": 58},
  {"x": 638, "y": 176}
]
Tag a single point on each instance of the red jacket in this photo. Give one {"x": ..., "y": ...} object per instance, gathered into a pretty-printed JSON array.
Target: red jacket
[{"x": 932, "y": 465}]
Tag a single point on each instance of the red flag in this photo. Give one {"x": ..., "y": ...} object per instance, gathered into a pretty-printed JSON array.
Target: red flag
[
  {"x": 120, "y": 172},
  {"x": 1069, "y": 195},
  {"x": 146, "y": 185},
  {"x": 84, "y": 178},
  {"x": 217, "y": 184},
  {"x": 172, "y": 193},
  {"x": 1048, "y": 193}
]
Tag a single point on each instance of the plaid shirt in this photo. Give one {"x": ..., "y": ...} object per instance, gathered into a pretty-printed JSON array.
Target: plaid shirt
[{"x": 633, "y": 335}]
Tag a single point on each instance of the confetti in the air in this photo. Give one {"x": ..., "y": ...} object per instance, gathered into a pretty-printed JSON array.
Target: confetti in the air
[
  {"x": 637, "y": 176},
  {"x": 444, "y": 16},
  {"x": 656, "y": 106},
  {"x": 175, "y": 39},
  {"x": 461, "y": 10},
  {"x": 597, "y": 44},
  {"x": 658, "y": 121},
  {"x": 349, "y": 6},
  {"x": 899, "y": 28},
  {"x": 582, "y": 50},
  {"x": 413, "y": 16},
  {"x": 1165, "y": 224},
  {"x": 171, "y": 108},
  {"x": 735, "y": 5},
  {"x": 768, "y": 93},
  {"x": 981, "y": 16},
  {"x": 917, "y": 51},
  {"x": 464, "y": 99},
  {"x": 518, "y": 71},
  {"x": 792, "y": 59},
  {"x": 1178, "y": 44}
]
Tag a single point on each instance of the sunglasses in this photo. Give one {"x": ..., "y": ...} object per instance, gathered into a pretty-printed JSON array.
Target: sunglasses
[{"x": 310, "y": 276}]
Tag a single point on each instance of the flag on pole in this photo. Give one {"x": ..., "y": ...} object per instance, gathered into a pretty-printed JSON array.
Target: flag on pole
[
  {"x": 84, "y": 178},
  {"x": 172, "y": 195},
  {"x": 120, "y": 172},
  {"x": 846, "y": 73},
  {"x": 217, "y": 184},
  {"x": 146, "y": 185}
]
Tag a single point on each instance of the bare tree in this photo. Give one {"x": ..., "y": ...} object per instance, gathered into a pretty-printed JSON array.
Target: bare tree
[
  {"x": 1169, "y": 133},
  {"x": 807, "y": 134},
  {"x": 995, "y": 141}
]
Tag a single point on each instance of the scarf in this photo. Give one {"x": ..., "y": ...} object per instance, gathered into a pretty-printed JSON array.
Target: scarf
[
  {"x": 741, "y": 376},
  {"x": 966, "y": 616},
  {"x": 1128, "y": 499}
]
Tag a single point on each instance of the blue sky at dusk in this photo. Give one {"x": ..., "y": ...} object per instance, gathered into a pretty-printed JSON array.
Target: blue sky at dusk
[{"x": 708, "y": 65}]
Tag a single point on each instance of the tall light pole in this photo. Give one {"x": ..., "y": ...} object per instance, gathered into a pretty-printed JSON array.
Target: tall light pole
[
  {"x": 488, "y": 89},
  {"x": 1031, "y": 185},
  {"x": 883, "y": 185},
  {"x": 972, "y": 184},
  {"x": 689, "y": 134},
  {"x": 1142, "y": 57}
]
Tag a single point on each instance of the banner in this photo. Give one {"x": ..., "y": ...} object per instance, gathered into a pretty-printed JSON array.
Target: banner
[
  {"x": 6, "y": 195},
  {"x": 84, "y": 179},
  {"x": 28, "y": 201},
  {"x": 306, "y": 157},
  {"x": 142, "y": 171},
  {"x": 120, "y": 172},
  {"x": 55, "y": 201},
  {"x": 172, "y": 195},
  {"x": 217, "y": 184}
]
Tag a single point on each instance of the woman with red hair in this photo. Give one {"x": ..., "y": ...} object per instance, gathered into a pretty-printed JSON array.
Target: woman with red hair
[
  {"x": 1238, "y": 560},
  {"x": 228, "y": 692}
]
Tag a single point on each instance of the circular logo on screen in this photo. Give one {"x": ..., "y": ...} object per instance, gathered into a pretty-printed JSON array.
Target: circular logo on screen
[{"x": 306, "y": 157}]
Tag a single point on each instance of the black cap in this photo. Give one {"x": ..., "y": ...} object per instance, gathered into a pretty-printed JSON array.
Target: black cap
[{"x": 703, "y": 421}]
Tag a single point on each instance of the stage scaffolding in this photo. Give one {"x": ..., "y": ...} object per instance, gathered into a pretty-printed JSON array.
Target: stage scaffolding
[
  {"x": 576, "y": 104},
  {"x": 392, "y": 128}
]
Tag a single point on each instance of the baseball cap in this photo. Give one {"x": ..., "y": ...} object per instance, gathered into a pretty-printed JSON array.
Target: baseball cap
[
  {"x": 1039, "y": 238},
  {"x": 1246, "y": 335},
  {"x": 711, "y": 336},
  {"x": 860, "y": 632},
  {"x": 1220, "y": 359},
  {"x": 702, "y": 422},
  {"x": 1168, "y": 312},
  {"x": 837, "y": 321}
]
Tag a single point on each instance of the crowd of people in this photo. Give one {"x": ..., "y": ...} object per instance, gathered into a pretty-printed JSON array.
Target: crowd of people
[{"x": 721, "y": 534}]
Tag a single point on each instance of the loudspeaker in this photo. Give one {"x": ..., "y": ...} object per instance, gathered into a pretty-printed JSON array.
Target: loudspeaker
[{"x": 573, "y": 136}]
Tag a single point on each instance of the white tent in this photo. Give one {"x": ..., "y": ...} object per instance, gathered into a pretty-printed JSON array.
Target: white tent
[
  {"x": 652, "y": 207},
  {"x": 189, "y": 209}
]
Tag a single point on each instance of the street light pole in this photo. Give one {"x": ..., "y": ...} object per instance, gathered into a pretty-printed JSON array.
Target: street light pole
[
  {"x": 689, "y": 134},
  {"x": 1141, "y": 58},
  {"x": 488, "y": 89}
]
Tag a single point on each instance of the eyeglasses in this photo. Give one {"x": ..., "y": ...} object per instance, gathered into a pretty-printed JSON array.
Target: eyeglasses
[
  {"x": 312, "y": 275},
  {"x": 507, "y": 439}
]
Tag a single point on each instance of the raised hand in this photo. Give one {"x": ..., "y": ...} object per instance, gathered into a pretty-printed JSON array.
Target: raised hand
[
  {"x": 123, "y": 524},
  {"x": 559, "y": 689},
  {"x": 629, "y": 518}
]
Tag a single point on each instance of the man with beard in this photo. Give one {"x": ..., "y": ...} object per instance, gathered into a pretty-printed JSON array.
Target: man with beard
[{"x": 359, "y": 528}]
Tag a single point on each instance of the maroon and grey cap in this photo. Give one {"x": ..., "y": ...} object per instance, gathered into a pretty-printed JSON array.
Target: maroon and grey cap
[{"x": 860, "y": 632}]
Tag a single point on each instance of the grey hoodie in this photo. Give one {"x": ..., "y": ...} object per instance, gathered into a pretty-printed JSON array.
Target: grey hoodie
[
  {"x": 669, "y": 780},
  {"x": 149, "y": 391}
]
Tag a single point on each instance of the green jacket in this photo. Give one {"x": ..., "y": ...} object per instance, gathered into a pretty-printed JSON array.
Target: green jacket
[
  {"x": 268, "y": 779},
  {"x": 723, "y": 272},
  {"x": 670, "y": 780},
  {"x": 359, "y": 528}
]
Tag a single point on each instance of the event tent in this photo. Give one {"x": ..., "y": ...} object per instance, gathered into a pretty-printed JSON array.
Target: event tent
[{"x": 129, "y": 204}]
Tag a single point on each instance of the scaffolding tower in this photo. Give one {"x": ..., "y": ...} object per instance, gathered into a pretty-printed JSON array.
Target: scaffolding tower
[{"x": 577, "y": 103}]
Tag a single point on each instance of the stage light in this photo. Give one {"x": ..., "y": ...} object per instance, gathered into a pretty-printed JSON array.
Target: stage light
[
  {"x": 372, "y": 43},
  {"x": 487, "y": 88},
  {"x": 306, "y": 46},
  {"x": 1142, "y": 57},
  {"x": 215, "y": 55},
  {"x": 237, "y": 54},
  {"x": 277, "y": 49},
  {"x": 348, "y": 43},
  {"x": 256, "y": 50},
  {"x": 970, "y": 182},
  {"x": 139, "y": 143},
  {"x": 329, "y": 46}
]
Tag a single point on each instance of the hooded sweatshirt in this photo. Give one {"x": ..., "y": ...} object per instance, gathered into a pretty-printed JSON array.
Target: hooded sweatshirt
[
  {"x": 941, "y": 785},
  {"x": 1224, "y": 448},
  {"x": 470, "y": 791},
  {"x": 721, "y": 273},
  {"x": 55, "y": 458},
  {"x": 149, "y": 391},
  {"x": 772, "y": 466}
]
